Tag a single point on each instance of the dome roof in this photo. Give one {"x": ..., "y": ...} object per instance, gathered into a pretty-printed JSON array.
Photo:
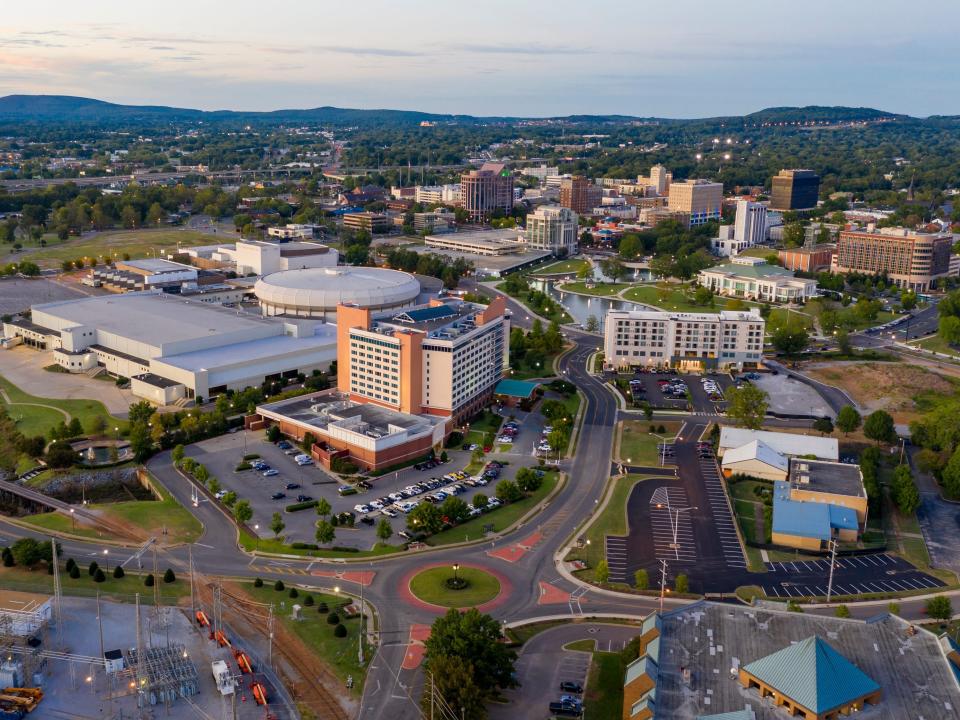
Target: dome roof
[{"x": 324, "y": 288}]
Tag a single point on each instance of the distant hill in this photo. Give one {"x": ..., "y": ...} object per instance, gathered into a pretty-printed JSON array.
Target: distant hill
[{"x": 65, "y": 109}]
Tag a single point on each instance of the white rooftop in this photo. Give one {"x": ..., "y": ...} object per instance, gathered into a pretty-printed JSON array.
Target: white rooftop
[
  {"x": 156, "y": 265},
  {"x": 756, "y": 450},
  {"x": 155, "y": 318},
  {"x": 822, "y": 448}
]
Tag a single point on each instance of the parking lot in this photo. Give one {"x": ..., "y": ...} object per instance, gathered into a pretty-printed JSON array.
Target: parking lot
[
  {"x": 544, "y": 664},
  {"x": 852, "y": 575},
  {"x": 664, "y": 390},
  {"x": 221, "y": 455}
]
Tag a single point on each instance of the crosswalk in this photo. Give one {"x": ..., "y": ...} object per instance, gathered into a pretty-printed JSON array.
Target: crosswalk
[
  {"x": 669, "y": 513},
  {"x": 722, "y": 518},
  {"x": 279, "y": 569}
]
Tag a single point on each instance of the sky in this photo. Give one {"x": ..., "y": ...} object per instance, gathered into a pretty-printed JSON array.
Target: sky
[{"x": 681, "y": 58}]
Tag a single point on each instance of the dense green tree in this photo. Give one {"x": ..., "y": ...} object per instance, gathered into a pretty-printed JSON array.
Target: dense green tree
[
  {"x": 451, "y": 682},
  {"x": 242, "y": 511},
  {"x": 879, "y": 427},
  {"x": 790, "y": 339},
  {"x": 823, "y": 425},
  {"x": 277, "y": 524},
  {"x": 474, "y": 638},
  {"x": 426, "y": 518},
  {"x": 641, "y": 579},
  {"x": 848, "y": 419},
  {"x": 747, "y": 406},
  {"x": 325, "y": 532},
  {"x": 939, "y": 607}
]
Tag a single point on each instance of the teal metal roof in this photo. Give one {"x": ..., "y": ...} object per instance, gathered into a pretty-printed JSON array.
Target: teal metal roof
[
  {"x": 813, "y": 674},
  {"x": 808, "y": 519},
  {"x": 762, "y": 270},
  {"x": 423, "y": 314},
  {"x": 745, "y": 714},
  {"x": 515, "y": 388}
]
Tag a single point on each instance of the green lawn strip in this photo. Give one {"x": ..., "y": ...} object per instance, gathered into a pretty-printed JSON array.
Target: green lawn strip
[
  {"x": 430, "y": 586},
  {"x": 528, "y": 367},
  {"x": 603, "y": 695},
  {"x": 937, "y": 344},
  {"x": 781, "y": 316},
  {"x": 524, "y": 633},
  {"x": 486, "y": 422},
  {"x": 40, "y": 420},
  {"x": 57, "y": 523},
  {"x": 501, "y": 518},
  {"x": 136, "y": 243},
  {"x": 673, "y": 299},
  {"x": 564, "y": 266},
  {"x": 638, "y": 446},
  {"x": 581, "y": 646},
  {"x": 559, "y": 314},
  {"x": 123, "y": 589},
  {"x": 598, "y": 290},
  {"x": 279, "y": 547},
  {"x": 314, "y": 630}
]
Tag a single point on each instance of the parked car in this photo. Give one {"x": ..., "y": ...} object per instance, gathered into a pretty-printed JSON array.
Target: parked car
[
  {"x": 304, "y": 498},
  {"x": 361, "y": 508},
  {"x": 284, "y": 445},
  {"x": 278, "y": 496},
  {"x": 367, "y": 520},
  {"x": 344, "y": 490},
  {"x": 293, "y": 486},
  {"x": 271, "y": 472},
  {"x": 388, "y": 512},
  {"x": 569, "y": 686}
]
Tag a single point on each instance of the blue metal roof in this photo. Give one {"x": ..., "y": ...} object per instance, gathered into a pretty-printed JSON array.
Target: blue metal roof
[
  {"x": 808, "y": 519},
  {"x": 515, "y": 388},
  {"x": 814, "y": 675}
]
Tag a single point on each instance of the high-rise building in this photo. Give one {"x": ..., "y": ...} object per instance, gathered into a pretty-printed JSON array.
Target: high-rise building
[
  {"x": 484, "y": 191},
  {"x": 552, "y": 228},
  {"x": 444, "y": 358},
  {"x": 694, "y": 341},
  {"x": 660, "y": 179},
  {"x": 750, "y": 225},
  {"x": 700, "y": 199},
  {"x": 579, "y": 194},
  {"x": 795, "y": 190},
  {"x": 914, "y": 261}
]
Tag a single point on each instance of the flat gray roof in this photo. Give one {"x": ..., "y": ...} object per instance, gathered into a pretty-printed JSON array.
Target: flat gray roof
[
  {"x": 828, "y": 477},
  {"x": 712, "y": 640},
  {"x": 499, "y": 263},
  {"x": 154, "y": 318},
  {"x": 332, "y": 406},
  {"x": 156, "y": 265}
]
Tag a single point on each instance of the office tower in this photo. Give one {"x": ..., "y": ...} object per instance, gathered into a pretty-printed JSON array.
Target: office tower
[
  {"x": 700, "y": 199},
  {"x": 484, "y": 191},
  {"x": 795, "y": 190}
]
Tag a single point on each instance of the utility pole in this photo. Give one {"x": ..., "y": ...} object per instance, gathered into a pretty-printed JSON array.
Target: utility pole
[
  {"x": 57, "y": 591},
  {"x": 663, "y": 582},
  {"x": 139, "y": 675},
  {"x": 193, "y": 604},
  {"x": 362, "y": 617},
  {"x": 833, "y": 559}
]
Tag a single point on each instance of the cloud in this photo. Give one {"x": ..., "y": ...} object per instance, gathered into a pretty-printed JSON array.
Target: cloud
[
  {"x": 344, "y": 50},
  {"x": 525, "y": 49}
]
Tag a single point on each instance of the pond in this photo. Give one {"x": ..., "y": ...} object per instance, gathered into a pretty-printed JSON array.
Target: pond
[
  {"x": 581, "y": 307},
  {"x": 102, "y": 454}
]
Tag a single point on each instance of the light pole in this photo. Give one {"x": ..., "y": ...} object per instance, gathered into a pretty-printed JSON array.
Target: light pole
[
  {"x": 663, "y": 448},
  {"x": 674, "y": 514},
  {"x": 663, "y": 582},
  {"x": 256, "y": 534},
  {"x": 456, "y": 579},
  {"x": 73, "y": 518},
  {"x": 105, "y": 553}
]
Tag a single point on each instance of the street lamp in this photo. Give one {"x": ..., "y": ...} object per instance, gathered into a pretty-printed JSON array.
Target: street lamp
[
  {"x": 73, "y": 518},
  {"x": 256, "y": 534},
  {"x": 105, "y": 553},
  {"x": 456, "y": 569},
  {"x": 674, "y": 514}
]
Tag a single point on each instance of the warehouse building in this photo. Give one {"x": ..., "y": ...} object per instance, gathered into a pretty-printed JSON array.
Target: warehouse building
[
  {"x": 173, "y": 348},
  {"x": 720, "y": 661}
]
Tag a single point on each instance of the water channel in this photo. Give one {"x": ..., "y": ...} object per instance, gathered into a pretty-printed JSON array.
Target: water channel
[{"x": 581, "y": 307}]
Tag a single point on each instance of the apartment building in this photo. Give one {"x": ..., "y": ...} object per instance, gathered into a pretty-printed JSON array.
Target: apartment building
[
  {"x": 579, "y": 194},
  {"x": 443, "y": 359},
  {"x": 484, "y": 191},
  {"x": 700, "y": 199},
  {"x": 437, "y": 194},
  {"x": 750, "y": 224},
  {"x": 370, "y": 221},
  {"x": 914, "y": 261},
  {"x": 688, "y": 341},
  {"x": 795, "y": 190},
  {"x": 552, "y": 228}
]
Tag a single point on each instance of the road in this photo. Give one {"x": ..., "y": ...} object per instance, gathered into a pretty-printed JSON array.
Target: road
[{"x": 525, "y": 561}]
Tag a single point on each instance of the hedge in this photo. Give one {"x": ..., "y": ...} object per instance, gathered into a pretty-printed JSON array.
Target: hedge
[{"x": 301, "y": 506}]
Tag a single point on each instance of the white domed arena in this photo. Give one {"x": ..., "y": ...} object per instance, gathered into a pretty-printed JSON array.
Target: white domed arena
[{"x": 316, "y": 292}]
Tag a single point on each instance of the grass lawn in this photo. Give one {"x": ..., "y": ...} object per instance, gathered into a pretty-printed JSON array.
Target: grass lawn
[
  {"x": 552, "y": 311},
  {"x": 122, "y": 590},
  {"x": 339, "y": 653},
  {"x": 599, "y": 290},
  {"x": 638, "y": 446},
  {"x": 501, "y": 518},
  {"x": 272, "y": 545},
  {"x": 149, "y": 516},
  {"x": 430, "y": 586},
  {"x": 581, "y": 646},
  {"x": 603, "y": 695},
  {"x": 612, "y": 521},
  {"x": 40, "y": 420},
  {"x": 781, "y": 316},
  {"x": 532, "y": 366},
  {"x": 669, "y": 298},
  {"x": 136, "y": 243},
  {"x": 935, "y": 343},
  {"x": 564, "y": 266}
]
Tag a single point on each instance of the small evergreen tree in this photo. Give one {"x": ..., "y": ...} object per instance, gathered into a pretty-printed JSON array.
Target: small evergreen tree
[
  {"x": 148, "y": 580},
  {"x": 98, "y": 576},
  {"x": 168, "y": 576},
  {"x": 118, "y": 572},
  {"x": 278, "y": 586}
]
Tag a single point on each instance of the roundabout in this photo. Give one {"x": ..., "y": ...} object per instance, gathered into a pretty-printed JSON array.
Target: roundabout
[{"x": 454, "y": 586}]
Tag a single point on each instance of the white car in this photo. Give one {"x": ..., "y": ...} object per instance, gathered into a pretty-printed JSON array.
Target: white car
[
  {"x": 376, "y": 504},
  {"x": 362, "y": 509},
  {"x": 388, "y": 512},
  {"x": 220, "y": 494},
  {"x": 493, "y": 503},
  {"x": 413, "y": 489},
  {"x": 395, "y": 496}
]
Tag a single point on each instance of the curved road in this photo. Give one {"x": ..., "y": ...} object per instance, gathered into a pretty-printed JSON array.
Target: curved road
[{"x": 532, "y": 584}]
